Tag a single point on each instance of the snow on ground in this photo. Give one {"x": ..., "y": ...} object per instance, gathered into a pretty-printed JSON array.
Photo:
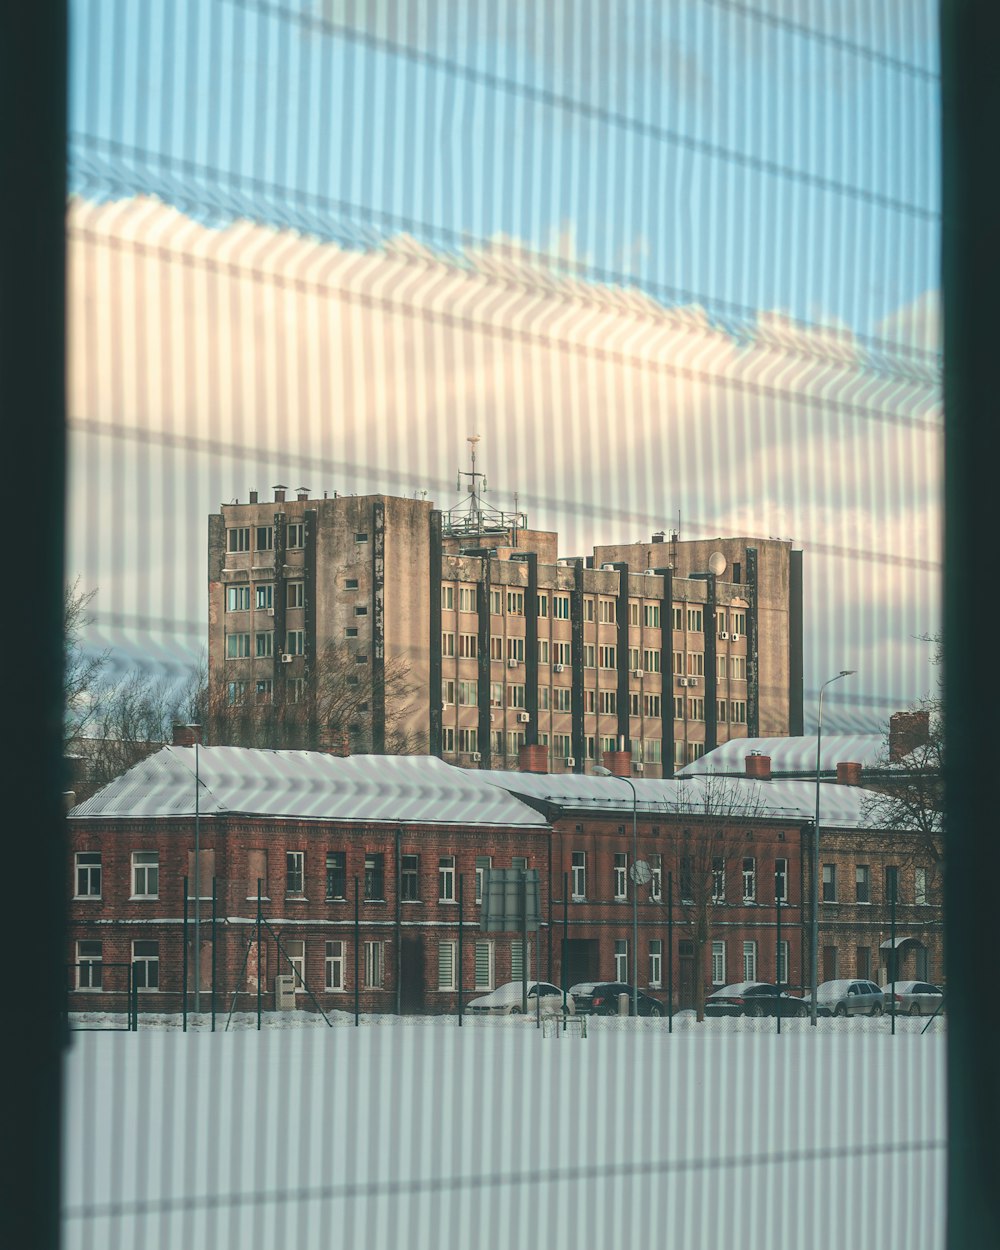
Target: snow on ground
[{"x": 415, "y": 1133}]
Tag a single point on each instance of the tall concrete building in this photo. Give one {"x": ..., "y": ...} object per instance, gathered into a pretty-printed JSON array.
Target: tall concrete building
[{"x": 514, "y": 655}]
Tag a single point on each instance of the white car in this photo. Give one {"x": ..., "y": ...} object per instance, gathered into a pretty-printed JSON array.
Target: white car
[
  {"x": 914, "y": 998},
  {"x": 507, "y": 1000}
]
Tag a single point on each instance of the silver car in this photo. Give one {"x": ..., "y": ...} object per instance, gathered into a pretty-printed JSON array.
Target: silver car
[
  {"x": 914, "y": 998},
  {"x": 849, "y": 998}
]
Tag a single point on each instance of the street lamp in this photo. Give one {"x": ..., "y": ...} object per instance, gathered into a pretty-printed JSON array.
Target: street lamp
[
  {"x": 601, "y": 771},
  {"x": 814, "y": 952}
]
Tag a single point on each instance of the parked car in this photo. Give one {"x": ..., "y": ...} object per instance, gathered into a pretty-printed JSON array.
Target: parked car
[
  {"x": 600, "y": 998},
  {"x": 914, "y": 998},
  {"x": 507, "y": 1000},
  {"x": 754, "y": 998},
  {"x": 849, "y": 998}
]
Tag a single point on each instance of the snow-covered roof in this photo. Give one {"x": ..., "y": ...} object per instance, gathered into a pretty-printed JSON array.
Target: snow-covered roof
[
  {"x": 841, "y": 806},
  {"x": 308, "y": 785},
  {"x": 791, "y": 755}
]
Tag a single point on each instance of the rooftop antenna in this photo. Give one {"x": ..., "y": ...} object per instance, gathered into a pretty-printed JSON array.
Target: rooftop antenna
[{"x": 475, "y": 502}]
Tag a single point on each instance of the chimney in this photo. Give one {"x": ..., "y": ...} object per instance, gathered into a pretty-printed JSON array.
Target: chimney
[
  {"x": 302, "y": 493},
  {"x": 619, "y": 763},
  {"x": 533, "y": 758},
  {"x": 848, "y": 774},
  {"x": 253, "y": 496},
  {"x": 279, "y": 494},
  {"x": 187, "y": 735},
  {"x": 758, "y": 766},
  {"x": 335, "y": 742},
  {"x": 907, "y": 731}
]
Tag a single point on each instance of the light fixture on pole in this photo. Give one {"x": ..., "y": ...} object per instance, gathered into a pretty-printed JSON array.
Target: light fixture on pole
[
  {"x": 814, "y": 943},
  {"x": 640, "y": 874}
]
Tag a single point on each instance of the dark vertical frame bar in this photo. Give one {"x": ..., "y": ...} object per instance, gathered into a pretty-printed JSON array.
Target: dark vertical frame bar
[
  {"x": 483, "y": 668},
  {"x": 461, "y": 951},
  {"x": 435, "y": 562},
  {"x": 184, "y": 963},
  {"x": 576, "y": 652},
  {"x": 215, "y": 935},
  {"x": 796, "y": 681},
  {"x": 357, "y": 955},
  {"x": 753, "y": 646},
  {"x": 260, "y": 960},
  {"x": 670, "y": 952},
  {"x": 32, "y": 394},
  {"x": 378, "y": 628}
]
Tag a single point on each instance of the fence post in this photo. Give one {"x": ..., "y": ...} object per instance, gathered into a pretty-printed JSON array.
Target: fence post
[
  {"x": 259, "y": 960},
  {"x": 357, "y": 955},
  {"x": 461, "y": 900},
  {"x": 777, "y": 956},
  {"x": 670, "y": 952},
  {"x": 214, "y": 935},
  {"x": 184, "y": 964}
]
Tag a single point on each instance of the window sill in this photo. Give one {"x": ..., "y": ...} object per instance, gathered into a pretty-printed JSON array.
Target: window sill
[
  {"x": 144, "y": 898},
  {"x": 264, "y": 898},
  {"x": 336, "y": 898},
  {"x": 87, "y": 898},
  {"x": 411, "y": 902},
  {"x": 448, "y": 902},
  {"x": 296, "y": 898}
]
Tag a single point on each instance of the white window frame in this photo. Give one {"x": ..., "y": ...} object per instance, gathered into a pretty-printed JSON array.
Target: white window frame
[
  {"x": 920, "y": 887},
  {"x": 750, "y": 961},
  {"x": 238, "y": 598},
  {"x": 89, "y": 874},
  {"x": 718, "y": 963},
  {"x": 145, "y": 873},
  {"x": 485, "y": 955},
  {"x": 296, "y": 535},
  {"x": 149, "y": 961},
  {"x": 238, "y": 538},
  {"x": 621, "y": 959},
  {"x": 447, "y": 965},
  {"x": 374, "y": 964},
  {"x": 295, "y": 952},
  {"x": 516, "y": 959},
  {"x": 782, "y": 968},
  {"x": 446, "y": 879},
  {"x": 749, "y": 879},
  {"x": 656, "y": 877},
  {"x": 295, "y": 871},
  {"x": 89, "y": 966},
  {"x": 238, "y": 645},
  {"x": 621, "y": 876},
  {"x": 484, "y": 864},
  {"x": 578, "y": 875},
  {"x": 334, "y": 966},
  {"x": 655, "y": 963},
  {"x": 295, "y": 641},
  {"x": 263, "y": 597},
  {"x": 295, "y": 594},
  {"x": 781, "y": 880}
]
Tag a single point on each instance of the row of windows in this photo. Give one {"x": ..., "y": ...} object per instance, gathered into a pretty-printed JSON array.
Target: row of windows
[
  {"x": 238, "y": 537},
  {"x": 596, "y": 702},
  {"x": 863, "y": 884},
  {"x": 749, "y": 962},
  {"x": 261, "y": 594},
  {"x": 578, "y": 880},
  {"x": 509, "y": 742}
]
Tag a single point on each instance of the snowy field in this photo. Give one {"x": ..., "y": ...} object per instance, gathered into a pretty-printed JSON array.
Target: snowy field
[{"x": 415, "y": 1133}]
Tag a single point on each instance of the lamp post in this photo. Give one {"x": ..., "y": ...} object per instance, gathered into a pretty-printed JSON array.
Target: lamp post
[
  {"x": 814, "y": 952},
  {"x": 601, "y": 771}
]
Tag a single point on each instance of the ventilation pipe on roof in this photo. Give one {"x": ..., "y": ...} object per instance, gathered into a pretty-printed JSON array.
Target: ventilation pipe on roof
[{"x": 758, "y": 766}]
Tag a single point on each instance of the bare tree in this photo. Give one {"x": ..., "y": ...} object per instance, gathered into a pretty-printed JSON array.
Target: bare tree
[
  {"x": 706, "y": 848},
  {"x": 83, "y": 670}
]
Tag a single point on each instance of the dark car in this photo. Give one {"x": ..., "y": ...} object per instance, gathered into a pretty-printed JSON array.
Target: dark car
[
  {"x": 754, "y": 998},
  {"x": 600, "y": 998}
]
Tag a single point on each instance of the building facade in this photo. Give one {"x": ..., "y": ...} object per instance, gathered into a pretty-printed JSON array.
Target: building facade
[{"x": 464, "y": 634}]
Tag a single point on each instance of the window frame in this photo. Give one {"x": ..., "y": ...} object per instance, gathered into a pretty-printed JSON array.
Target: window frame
[
  {"x": 150, "y": 864},
  {"x": 87, "y": 872}
]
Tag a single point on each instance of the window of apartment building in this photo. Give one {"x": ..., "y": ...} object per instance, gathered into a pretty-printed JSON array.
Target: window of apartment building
[
  {"x": 829, "y": 883},
  {"x": 687, "y": 878},
  {"x": 496, "y": 694},
  {"x": 607, "y": 656},
  {"x": 738, "y": 667},
  {"x": 749, "y": 961},
  {"x": 336, "y": 874},
  {"x": 447, "y": 598},
  {"x": 295, "y": 949},
  {"x": 88, "y": 874},
  {"x": 466, "y": 598},
  {"x": 621, "y": 875},
  {"x": 496, "y": 602},
  {"x": 543, "y": 651},
  {"x": 468, "y": 740},
  {"x": 608, "y": 702},
  {"x": 633, "y": 611},
  {"x": 448, "y": 739},
  {"x": 562, "y": 698},
  {"x": 361, "y": 609},
  {"x": 446, "y": 965},
  {"x": 562, "y": 746},
  {"x": 409, "y": 879},
  {"x": 650, "y": 660},
  {"x": 335, "y": 967},
  {"x": 483, "y": 865},
  {"x": 515, "y": 695},
  {"x": 696, "y": 708},
  {"x": 560, "y": 607},
  {"x": 891, "y": 883},
  {"x": 634, "y": 658},
  {"x": 621, "y": 959},
  {"x": 695, "y": 750},
  {"x": 374, "y": 965},
  {"x": 360, "y": 536},
  {"x": 862, "y": 883},
  {"x": 749, "y": 879},
  {"x": 920, "y": 886},
  {"x": 864, "y": 962},
  {"x": 496, "y": 647},
  {"x": 655, "y": 962},
  {"x": 738, "y": 620},
  {"x": 496, "y": 741},
  {"x": 351, "y": 583},
  {"x": 468, "y": 646},
  {"x": 89, "y": 972},
  {"x": 651, "y": 615},
  {"x": 238, "y": 538},
  {"x": 721, "y": 707},
  {"x": 146, "y": 965},
  {"x": 678, "y": 713},
  {"x": 652, "y": 750},
  {"x": 485, "y": 970},
  {"x": 696, "y": 663},
  {"x": 606, "y": 613},
  {"x": 589, "y": 655},
  {"x": 588, "y": 609},
  {"x": 295, "y": 872},
  {"x": 447, "y": 643},
  {"x": 517, "y": 962},
  {"x": 738, "y": 711},
  {"x": 718, "y": 963},
  {"x": 296, "y": 535},
  {"x": 656, "y": 877},
  {"x": 237, "y": 598},
  {"x": 447, "y": 691},
  {"x": 295, "y": 594},
  {"x": 264, "y": 538},
  {"x": 782, "y": 963},
  {"x": 608, "y": 744},
  {"x": 145, "y": 874},
  {"x": 264, "y": 690},
  {"x": 781, "y": 880},
  {"x": 590, "y": 746},
  {"x": 676, "y": 618},
  {"x": 264, "y": 644},
  {"x": 562, "y": 652},
  {"x": 579, "y": 874},
  {"x": 721, "y": 617},
  {"x": 237, "y": 646},
  {"x": 256, "y": 873},
  {"x": 295, "y": 641},
  {"x": 446, "y": 879},
  {"x": 515, "y": 603},
  {"x": 515, "y": 649},
  {"x": 718, "y": 879},
  {"x": 634, "y": 703},
  {"x": 677, "y": 663},
  {"x": 264, "y": 596},
  {"x": 374, "y": 876},
  {"x": 720, "y": 667},
  {"x": 296, "y": 690},
  {"x": 589, "y": 700},
  {"x": 696, "y": 620}
]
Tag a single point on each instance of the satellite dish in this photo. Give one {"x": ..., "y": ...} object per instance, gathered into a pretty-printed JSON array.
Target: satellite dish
[
  {"x": 717, "y": 563},
  {"x": 640, "y": 872}
]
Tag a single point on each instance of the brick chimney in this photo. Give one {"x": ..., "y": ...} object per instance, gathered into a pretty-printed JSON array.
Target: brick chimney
[
  {"x": 187, "y": 735},
  {"x": 302, "y": 493},
  {"x": 907, "y": 731},
  {"x": 335, "y": 742},
  {"x": 279, "y": 493},
  {"x": 758, "y": 766},
  {"x": 848, "y": 774},
  {"x": 533, "y": 758},
  {"x": 618, "y": 762},
  {"x": 253, "y": 496}
]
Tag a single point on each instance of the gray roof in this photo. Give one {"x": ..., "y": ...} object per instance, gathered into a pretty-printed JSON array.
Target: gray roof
[
  {"x": 792, "y": 755},
  {"x": 841, "y": 807},
  {"x": 307, "y": 785}
]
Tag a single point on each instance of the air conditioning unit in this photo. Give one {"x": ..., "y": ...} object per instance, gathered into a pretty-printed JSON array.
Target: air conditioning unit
[
  {"x": 569, "y": 761},
  {"x": 637, "y": 672},
  {"x": 637, "y": 767},
  {"x": 284, "y": 992},
  {"x": 723, "y": 634},
  {"x": 608, "y": 567},
  {"x": 286, "y": 658},
  {"x": 692, "y": 681},
  {"x": 270, "y": 611},
  {"x": 682, "y": 681},
  {"x": 476, "y": 756},
  {"x": 734, "y": 637},
  {"x": 512, "y": 663},
  {"x": 558, "y": 668},
  {"x": 524, "y": 718}
]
